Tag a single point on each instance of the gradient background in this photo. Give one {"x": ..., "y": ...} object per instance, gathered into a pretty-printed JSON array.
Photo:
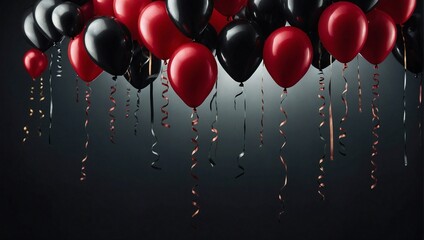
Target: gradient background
[{"x": 41, "y": 196}]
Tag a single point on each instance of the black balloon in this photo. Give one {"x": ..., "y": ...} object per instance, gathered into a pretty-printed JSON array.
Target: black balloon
[
  {"x": 412, "y": 30},
  {"x": 109, "y": 44},
  {"x": 142, "y": 72},
  {"x": 68, "y": 19},
  {"x": 190, "y": 16},
  {"x": 33, "y": 34},
  {"x": 209, "y": 38},
  {"x": 304, "y": 14},
  {"x": 239, "y": 51},
  {"x": 365, "y": 5},
  {"x": 321, "y": 59},
  {"x": 268, "y": 14},
  {"x": 43, "y": 17}
]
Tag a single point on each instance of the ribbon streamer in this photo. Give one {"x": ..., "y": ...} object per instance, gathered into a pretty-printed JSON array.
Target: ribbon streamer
[
  {"x": 376, "y": 121},
  {"x": 214, "y": 130},
  {"x": 194, "y": 192},
  {"x": 343, "y": 132},
  {"x": 87, "y": 109},
  {"x": 40, "y": 111},
  {"x": 405, "y": 65},
  {"x": 76, "y": 89},
  {"x": 111, "y": 111},
  {"x": 59, "y": 60},
  {"x": 321, "y": 113},
  {"x": 359, "y": 87},
  {"x": 261, "y": 132},
  {"x": 135, "y": 113},
  {"x": 30, "y": 112},
  {"x": 243, "y": 152},
  {"x": 128, "y": 102},
  {"x": 165, "y": 83},
  {"x": 330, "y": 113},
  {"x": 152, "y": 130},
  {"x": 283, "y": 162},
  {"x": 51, "y": 98}
]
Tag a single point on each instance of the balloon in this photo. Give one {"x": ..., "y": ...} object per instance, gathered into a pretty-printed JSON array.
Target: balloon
[
  {"x": 240, "y": 49},
  {"x": 381, "y": 37},
  {"x": 229, "y": 7},
  {"x": 321, "y": 59},
  {"x": 399, "y": 10},
  {"x": 142, "y": 72},
  {"x": 80, "y": 61},
  {"x": 242, "y": 14},
  {"x": 68, "y": 19},
  {"x": 190, "y": 16},
  {"x": 43, "y": 17},
  {"x": 192, "y": 72},
  {"x": 412, "y": 31},
  {"x": 128, "y": 11},
  {"x": 109, "y": 44},
  {"x": 103, "y": 7},
  {"x": 267, "y": 14},
  {"x": 87, "y": 11},
  {"x": 35, "y": 62},
  {"x": 287, "y": 55},
  {"x": 157, "y": 31},
  {"x": 304, "y": 14},
  {"x": 365, "y": 5},
  {"x": 343, "y": 29},
  {"x": 33, "y": 34},
  {"x": 209, "y": 38},
  {"x": 218, "y": 21}
]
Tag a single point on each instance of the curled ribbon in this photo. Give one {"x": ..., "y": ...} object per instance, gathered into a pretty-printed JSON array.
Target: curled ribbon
[
  {"x": 165, "y": 83},
  {"x": 87, "y": 109},
  {"x": 51, "y": 98},
  {"x": 59, "y": 60},
  {"x": 321, "y": 113},
  {"x": 376, "y": 121},
  {"x": 342, "y": 130},
  {"x": 243, "y": 152},
  {"x": 330, "y": 113},
  {"x": 214, "y": 130},
  {"x": 359, "y": 87},
  {"x": 152, "y": 130},
  {"x": 127, "y": 104},
  {"x": 261, "y": 132},
  {"x": 283, "y": 162},
  {"x": 40, "y": 111},
  {"x": 135, "y": 113},
  {"x": 405, "y": 65},
  {"x": 194, "y": 192},
  {"x": 111, "y": 111},
  {"x": 76, "y": 89}
]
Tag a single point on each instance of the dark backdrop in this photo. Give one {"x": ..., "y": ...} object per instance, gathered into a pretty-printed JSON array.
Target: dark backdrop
[{"x": 41, "y": 196}]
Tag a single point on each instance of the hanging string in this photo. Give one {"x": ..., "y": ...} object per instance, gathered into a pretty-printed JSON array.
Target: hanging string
[
  {"x": 59, "y": 60},
  {"x": 87, "y": 109},
  {"x": 330, "y": 112},
  {"x": 241, "y": 155},
  {"x": 321, "y": 113},
  {"x": 152, "y": 121},
  {"x": 376, "y": 122},
  {"x": 343, "y": 133},
  {"x": 135, "y": 113},
  {"x": 76, "y": 89},
  {"x": 405, "y": 65},
  {"x": 128, "y": 102},
  {"x": 165, "y": 83},
  {"x": 112, "y": 110},
  {"x": 261, "y": 132},
  {"x": 214, "y": 130},
  {"x": 194, "y": 192},
  {"x": 359, "y": 87},
  {"x": 51, "y": 98},
  {"x": 283, "y": 162},
  {"x": 30, "y": 112},
  {"x": 40, "y": 111}
]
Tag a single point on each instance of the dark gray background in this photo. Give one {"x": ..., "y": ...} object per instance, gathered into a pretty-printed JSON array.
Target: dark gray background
[{"x": 41, "y": 196}]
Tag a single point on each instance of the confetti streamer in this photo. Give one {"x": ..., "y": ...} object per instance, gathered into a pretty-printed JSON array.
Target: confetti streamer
[
  {"x": 261, "y": 132},
  {"x": 214, "y": 140},
  {"x": 165, "y": 83},
  {"x": 343, "y": 132},
  {"x": 51, "y": 98},
  {"x": 128, "y": 102},
  {"x": 76, "y": 89},
  {"x": 376, "y": 122},
  {"x": 152, "y": 130},
  {"x": 243, "y": 152},
  {"x": 321, "y": 113},
  {"x": 40, "y": 111},
  {"x": 283, "y": 162},
  {"x": 359, "y": 87},
  {"x": 330, "y": 113},
  {"x": 135, "y": 113},
  {"x": 30, "y": 112},
  {"x": 87, "y": 109},
  {"x": 111, "y": 111},
  {"x": 194, "y": 192}
]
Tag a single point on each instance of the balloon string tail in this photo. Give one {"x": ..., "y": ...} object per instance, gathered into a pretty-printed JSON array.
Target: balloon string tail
[
  {"x": 281, "y": 197},
  {"x": 243, "y": 152},
  {"x": 165, "y": 83},
  {"x": 376, "y": 126},
  {"x": 87, "y": 141},
  {"x": 342, "y": 130},
  {"x": 152, "y": 130},
  {"x": 111, "y": 112},
  {"x": 194, "y": 140},
  {"x": 214, "y": 130}
]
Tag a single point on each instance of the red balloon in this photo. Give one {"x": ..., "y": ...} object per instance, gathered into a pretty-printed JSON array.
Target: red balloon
[
  {"x": 218, "y": 21},
  {"x": 287, "y": 55},
  {"x": 81, "y": 62},
  {"x": 87, "y": 11},
  {"x": 127, "y": 12},
  {"x": 103, "y": 7},
  {"x": 229, "y": 8},
  {"x": 192, "y": 72},
  {"x": 381, "y": 37},
  {"x": 157, "y": 31},
  {"x": 343, "y": 30},
  {"x": 399, "y": 10},
  {"x": 35, "y": 62}
]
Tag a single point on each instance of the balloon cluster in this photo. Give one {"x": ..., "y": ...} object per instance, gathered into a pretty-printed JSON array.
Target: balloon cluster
[{"x": 121, "y": 36}]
